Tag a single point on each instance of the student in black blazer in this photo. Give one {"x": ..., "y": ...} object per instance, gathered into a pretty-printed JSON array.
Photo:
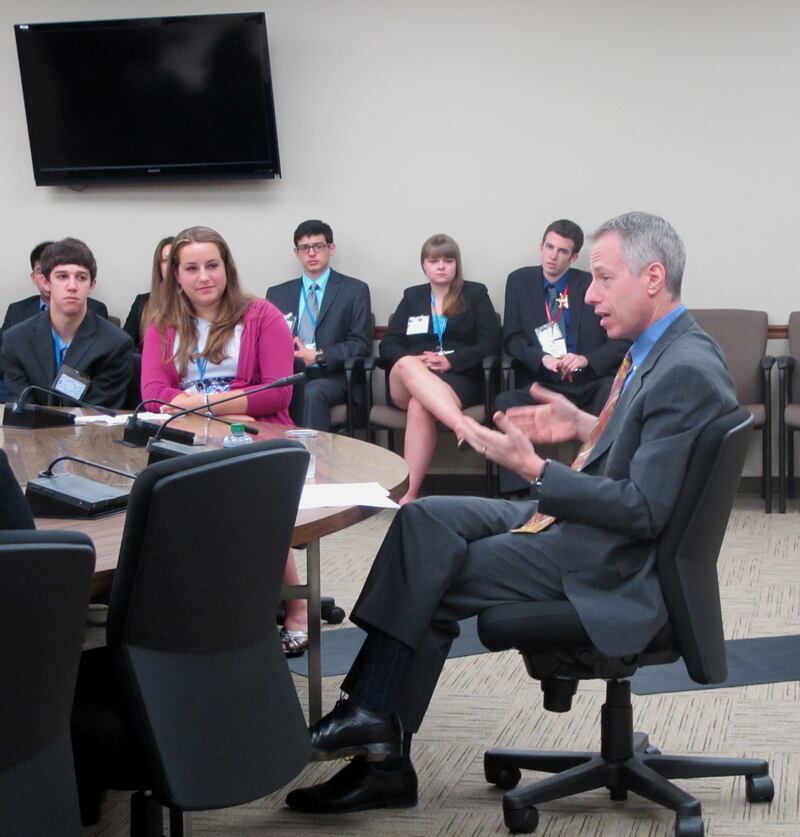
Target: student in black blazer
[
  {"x": 142, "y": 304},
  {"x": 83, "y": 341},
  {"x": 435, "y": 344},
  {"x": 341, "y": 329},
  {"x": 29, "y": 307}
]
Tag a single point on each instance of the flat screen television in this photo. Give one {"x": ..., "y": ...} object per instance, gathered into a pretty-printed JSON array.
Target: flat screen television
[{"x": 169, "y": 98}]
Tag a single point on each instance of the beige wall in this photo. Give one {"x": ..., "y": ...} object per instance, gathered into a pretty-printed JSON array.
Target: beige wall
[
  {"x": 485, "y": 120},
  {"x": 482, "y": 119}
]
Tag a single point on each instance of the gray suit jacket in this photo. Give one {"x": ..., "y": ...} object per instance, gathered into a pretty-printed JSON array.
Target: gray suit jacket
[
  {"x": 612, "y": 512},
  {"x": 99, "y": 350}
]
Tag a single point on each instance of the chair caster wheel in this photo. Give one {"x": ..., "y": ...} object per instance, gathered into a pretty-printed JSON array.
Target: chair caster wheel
[
  {"x": 335, "y": 616},
  {"x": 689, "y": 827},
  {"x": 521, "y": 820},
  {"x": 759, "y": 789},
  {"x": 506, "y": 778}
]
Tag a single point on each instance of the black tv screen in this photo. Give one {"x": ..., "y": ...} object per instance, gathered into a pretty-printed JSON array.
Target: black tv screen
[{"x": 169, "y": 98}]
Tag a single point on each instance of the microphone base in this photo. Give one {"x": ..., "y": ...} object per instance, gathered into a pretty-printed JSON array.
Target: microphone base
[
  {"x": 161, "y": 450},
  {"x": 70, "y": 495},
  {"x": 137, "y": 432},
  {"x": 36, "y": 417}
]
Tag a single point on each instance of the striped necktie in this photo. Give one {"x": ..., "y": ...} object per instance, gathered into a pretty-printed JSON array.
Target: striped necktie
[
  {"x": 556, "y": 312},
  {"x": 539, "y": 522}
]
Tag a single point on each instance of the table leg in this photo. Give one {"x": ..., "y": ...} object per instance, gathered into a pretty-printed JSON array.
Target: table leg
[{"x": 314, "y": 633}]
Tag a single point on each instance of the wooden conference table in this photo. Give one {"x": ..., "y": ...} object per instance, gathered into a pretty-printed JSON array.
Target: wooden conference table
[{"x": 340, "y": 459}]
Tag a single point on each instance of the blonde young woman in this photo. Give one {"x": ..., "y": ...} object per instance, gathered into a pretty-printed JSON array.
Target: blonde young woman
[
  {"x": 435, "y": 344},
  {"x": 207, "y": 341}
]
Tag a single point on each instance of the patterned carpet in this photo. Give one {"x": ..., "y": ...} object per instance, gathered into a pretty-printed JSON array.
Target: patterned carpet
[{"x": 488, "y": 700}]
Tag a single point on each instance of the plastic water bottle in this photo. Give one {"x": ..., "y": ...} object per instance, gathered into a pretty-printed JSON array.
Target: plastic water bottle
[{"x": 236, "y": 437}]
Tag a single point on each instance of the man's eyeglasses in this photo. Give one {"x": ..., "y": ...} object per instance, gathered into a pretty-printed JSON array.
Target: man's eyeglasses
[{"x": 317, "y": 247}]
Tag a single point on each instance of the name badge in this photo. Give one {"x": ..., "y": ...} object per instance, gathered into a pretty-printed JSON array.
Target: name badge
[
  {"x": 70, "y": 382},
  {"x": 418, "y": 325},
  {"x": 551, "y": 340}
]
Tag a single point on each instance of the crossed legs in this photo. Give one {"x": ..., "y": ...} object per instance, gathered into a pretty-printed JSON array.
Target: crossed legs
[{"x": 427, "y": 399}]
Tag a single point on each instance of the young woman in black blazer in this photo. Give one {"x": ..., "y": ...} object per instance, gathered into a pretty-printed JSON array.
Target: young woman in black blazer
[{"x": 435, "y": 344}]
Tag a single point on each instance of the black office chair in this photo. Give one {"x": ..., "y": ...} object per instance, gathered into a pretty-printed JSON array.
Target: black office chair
[
  {"x": 352, "y": 414},
  {"x": 133, "y": 395},
  {"x": 201, "y": 711},
  {"x": 45, "y": 582},
  {"x": 557, "y": 651}
]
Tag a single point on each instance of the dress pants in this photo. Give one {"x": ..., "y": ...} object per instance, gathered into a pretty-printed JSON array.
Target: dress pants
[
  {"x": 445, "y": 559},
  {"x": 320, "y": 395}
]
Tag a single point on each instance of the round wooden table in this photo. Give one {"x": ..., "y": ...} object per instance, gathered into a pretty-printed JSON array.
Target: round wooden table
[{"x": 339, "y": 459}]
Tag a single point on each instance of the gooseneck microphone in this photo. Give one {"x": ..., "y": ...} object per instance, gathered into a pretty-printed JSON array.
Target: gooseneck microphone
[
  {"x": 20, "y": 413},
  {"x": 281, "y": 382}
]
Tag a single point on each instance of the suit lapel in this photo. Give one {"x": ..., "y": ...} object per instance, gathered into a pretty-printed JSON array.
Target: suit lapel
[
  {"x": 81, "y": 343},
  {"x": 533, "y": 302},
  {"x": 329, "y": 297},
  {"x": 679, "y": 327},
  {"x": 41, "y": 347}
]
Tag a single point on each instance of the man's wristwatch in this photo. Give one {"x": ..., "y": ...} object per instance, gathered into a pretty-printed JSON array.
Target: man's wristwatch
[
  {"x": 537, "y": 483},
  {"x": 319, "y": 357}
]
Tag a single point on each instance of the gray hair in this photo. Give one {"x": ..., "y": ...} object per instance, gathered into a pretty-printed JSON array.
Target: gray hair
[{"x": 645, "y": 239}]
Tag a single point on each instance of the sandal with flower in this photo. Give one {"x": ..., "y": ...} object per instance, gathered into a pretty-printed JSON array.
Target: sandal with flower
[{"x": 294, "y": 643}]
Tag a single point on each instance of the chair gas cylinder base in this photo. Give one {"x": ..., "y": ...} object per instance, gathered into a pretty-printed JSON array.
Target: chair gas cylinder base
[{"x": 625, "y": 762}]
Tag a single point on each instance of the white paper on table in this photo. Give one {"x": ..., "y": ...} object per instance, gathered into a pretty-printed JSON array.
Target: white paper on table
[
  {"x": 371, "y": 494},
  {"x": 114, "y": 420}
]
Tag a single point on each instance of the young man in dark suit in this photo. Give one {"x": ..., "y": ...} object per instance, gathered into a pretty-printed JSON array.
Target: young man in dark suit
[
  {"x": 553, "y": 337},
  {"x": 24, "y": 309},
  {"x": 331, "y": 320},
  {"x": 66, "y": 346},
  {"x": 588, "y": 534}
]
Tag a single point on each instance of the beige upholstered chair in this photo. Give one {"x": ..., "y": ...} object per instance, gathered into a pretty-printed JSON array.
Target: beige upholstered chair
[
  {"x": 742, "y": 336},
  {"x": 788, "y": 411}
]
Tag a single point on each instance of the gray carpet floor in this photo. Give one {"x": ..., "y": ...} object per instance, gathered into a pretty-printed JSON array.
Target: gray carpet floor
[{"x": 488, "y": 700}]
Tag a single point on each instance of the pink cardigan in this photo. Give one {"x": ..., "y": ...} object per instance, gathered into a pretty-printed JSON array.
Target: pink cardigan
[{"x": 266, "y": 354}]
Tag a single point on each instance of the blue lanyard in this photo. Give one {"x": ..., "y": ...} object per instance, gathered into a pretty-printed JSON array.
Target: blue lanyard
[
  {"x": 306, "y": 308},
  {"x": 439, "y": 323},
  {"x": 201, "y": 363}
]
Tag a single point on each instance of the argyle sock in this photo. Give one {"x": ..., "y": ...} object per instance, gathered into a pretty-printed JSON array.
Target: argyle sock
[{"x": 383, "y": 661}]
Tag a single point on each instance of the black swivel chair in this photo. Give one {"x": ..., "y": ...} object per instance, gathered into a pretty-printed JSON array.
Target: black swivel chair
[
  {"x": 201, "y": 709},
  {"x": 45, "y": 581},
  {"x": 557, "y": 651}
]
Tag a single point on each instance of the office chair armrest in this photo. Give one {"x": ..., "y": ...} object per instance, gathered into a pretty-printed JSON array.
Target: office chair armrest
[
  {"x": 785, "y": 362},
  {"x": 786, "y": 365},
  {"x": 767, "y": 362},
  {"x": 507, "y": 376}
]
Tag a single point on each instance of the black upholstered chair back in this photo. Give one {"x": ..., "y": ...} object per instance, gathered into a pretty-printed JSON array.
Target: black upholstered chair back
[
  {"x": 45, "y": 582},
  {"x": 690, "y": 543},
  {"x": 191, "y": 624}
]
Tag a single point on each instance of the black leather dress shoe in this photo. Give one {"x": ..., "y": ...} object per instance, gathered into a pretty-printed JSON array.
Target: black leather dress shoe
[
  {"x": 349, "y": 730},
  {"x": 358, "y": 787}
]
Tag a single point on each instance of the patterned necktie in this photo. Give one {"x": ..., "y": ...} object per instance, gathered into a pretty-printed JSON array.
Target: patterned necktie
[
  {"x": 306, "y": 329},
  {"x": 556, "y": 312},
  {"x": 539, "y": 522}
]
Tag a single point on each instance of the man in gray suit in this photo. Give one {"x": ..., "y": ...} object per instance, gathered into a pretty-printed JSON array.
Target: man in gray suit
[
  {"x": 446, "y": 559},
  {"x": 331, "y": 320}
]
